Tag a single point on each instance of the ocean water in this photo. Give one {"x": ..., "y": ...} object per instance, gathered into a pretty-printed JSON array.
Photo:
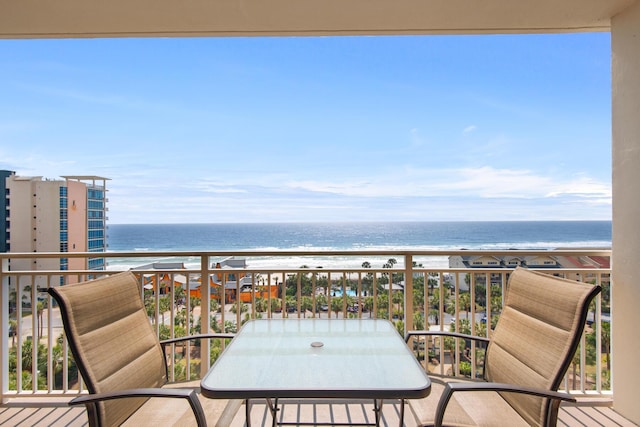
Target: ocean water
[{"x": 355, "y": 236}]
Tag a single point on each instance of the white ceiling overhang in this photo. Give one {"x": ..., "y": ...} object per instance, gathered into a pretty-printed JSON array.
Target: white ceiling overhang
[{"x": 196, "y": 18}]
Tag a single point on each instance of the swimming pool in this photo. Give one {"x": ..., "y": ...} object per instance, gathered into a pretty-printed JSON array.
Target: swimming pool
[{"x": 338, "y": 293}]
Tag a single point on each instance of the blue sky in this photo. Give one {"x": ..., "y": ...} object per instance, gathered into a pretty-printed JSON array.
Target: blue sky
[{"x": 401, "y": 128}]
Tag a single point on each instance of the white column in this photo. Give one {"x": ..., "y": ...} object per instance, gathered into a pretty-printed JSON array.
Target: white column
[{"x": 625, "y": 45}]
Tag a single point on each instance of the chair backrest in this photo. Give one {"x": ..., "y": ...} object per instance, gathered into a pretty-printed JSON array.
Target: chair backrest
[
  {"x": 536, "y": 337},
  {"x": 112, "y": 341}
]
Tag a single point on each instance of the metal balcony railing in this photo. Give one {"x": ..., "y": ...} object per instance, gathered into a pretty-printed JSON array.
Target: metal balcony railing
[{"x": 445, "y": 290}]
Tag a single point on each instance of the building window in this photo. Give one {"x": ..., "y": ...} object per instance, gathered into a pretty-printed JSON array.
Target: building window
[{"x": 96, "y": 263}]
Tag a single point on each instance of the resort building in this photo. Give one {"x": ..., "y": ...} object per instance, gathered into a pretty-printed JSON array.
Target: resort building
[
  {"x": 240, "y": 287},
  {"x": 494, "y": 262},
  {"x": 45, "y": 215},
  {"x": 532, "y": 261},
  {"x": 162, "y": 278}
]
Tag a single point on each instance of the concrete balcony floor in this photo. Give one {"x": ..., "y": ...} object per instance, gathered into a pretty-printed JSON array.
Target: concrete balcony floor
[{"x": 55, "y": 412}]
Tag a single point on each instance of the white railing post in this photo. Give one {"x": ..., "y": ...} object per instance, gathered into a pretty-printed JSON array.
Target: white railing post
[
  {"x": 205, "y": 310},
  {"x": 13, "y": 284},
  {"x": 408, "y": 292},
  {"x": 4, "y": 331}
]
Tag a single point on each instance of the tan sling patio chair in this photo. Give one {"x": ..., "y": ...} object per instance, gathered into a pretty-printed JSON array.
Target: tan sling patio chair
[
  {"x": 122, "y": 362},
  {"x": 526, "y": 358}
]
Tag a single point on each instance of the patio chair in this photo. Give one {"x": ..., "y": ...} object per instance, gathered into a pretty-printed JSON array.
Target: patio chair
[
  {"x": 526, "y": 358},
  {"x": 122, "y": 362}
]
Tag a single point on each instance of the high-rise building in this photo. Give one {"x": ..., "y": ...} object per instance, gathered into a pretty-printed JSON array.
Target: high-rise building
[
  {"x": 4, "y": 210},
  {"x": 45, "y": 215}
]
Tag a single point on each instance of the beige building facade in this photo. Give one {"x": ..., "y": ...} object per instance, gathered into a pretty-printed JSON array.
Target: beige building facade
[{"x": 46, "y": 215}]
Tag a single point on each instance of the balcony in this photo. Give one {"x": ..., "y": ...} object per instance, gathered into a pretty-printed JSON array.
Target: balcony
[{"x": 413, "y": 289}]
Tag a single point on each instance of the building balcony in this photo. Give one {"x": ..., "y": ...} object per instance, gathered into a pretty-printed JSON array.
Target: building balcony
[{"x": 440, "y": 290}]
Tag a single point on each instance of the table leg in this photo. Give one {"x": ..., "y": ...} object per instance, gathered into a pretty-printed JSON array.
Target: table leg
[
  {"x": 401, "y": 412},
  {"x": 377, "y": 409},
  {"x": 247, "y": 412},
  {"x": 273, "y": 408}
]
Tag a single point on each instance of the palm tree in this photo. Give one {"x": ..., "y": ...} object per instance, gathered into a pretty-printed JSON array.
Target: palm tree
[
  {"x": 321, "y": 300},
  {"x": 591, "y": 339},
  {"x": 165, "y": 305},
  {"x": 418, "y": 321},
  {"x": 13, "y": 331},
  {"x": 465, "y": 302},
  {"x": 397, "y": 298},
  {"x": 496, "y": 304},
  {"x": 40, "y": 306},
  {"x": 399, "y": 327},
  {"x": 450, "y": 345},
  {"x": 239, "y": 305},
  {"x": 367, "y": 280},
  {"x": 276, "y": 304},
  {"x": 193, "y": 302},
  {"x": 368, "y": 304},
  {"x": 306, "y": 303},
  {"x": 383, "y": 305},
  {"x": 606, "y": 342},
  {"x": 336, "y": 305},
  {"x": 434, "y": 308},
  {"x": 261, "y": 305},
  {"x": 57, "y": 358},
  {"x": 291, "y": 303},
  {"x": 150, "y": 307},
  {"x": 215, "y": 306}
]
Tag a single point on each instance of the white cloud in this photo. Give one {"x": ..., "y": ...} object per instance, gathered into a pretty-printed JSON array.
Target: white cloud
[
  {"x": 583, "y": 187},
  {"x": 198, "y": 143},
  {"x": 357, "y": 188},
  {"x": 481, "y": 182}
]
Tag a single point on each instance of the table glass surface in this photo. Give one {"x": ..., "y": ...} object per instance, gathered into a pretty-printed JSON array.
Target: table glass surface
[{"x": 282, "y": 358}]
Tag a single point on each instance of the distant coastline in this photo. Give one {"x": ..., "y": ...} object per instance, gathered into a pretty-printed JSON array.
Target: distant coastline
[
  {"x": 352, "y": 235},
  {"x": 494, "y": 235}
]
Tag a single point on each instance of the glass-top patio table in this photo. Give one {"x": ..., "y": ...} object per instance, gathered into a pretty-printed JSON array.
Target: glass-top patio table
[{"x": 317, "y": 358}]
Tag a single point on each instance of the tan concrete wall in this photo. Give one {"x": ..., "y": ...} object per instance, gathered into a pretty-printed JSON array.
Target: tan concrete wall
[
  {"x": 20, "y": 215},
  {"x": 625, "y": 43},
  {"x": 47, "y": 223},
  {"x": 35, "y": 222},
  {"x": 77, "y": 224}
]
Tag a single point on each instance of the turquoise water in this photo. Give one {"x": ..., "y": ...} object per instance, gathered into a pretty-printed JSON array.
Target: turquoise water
[
  {"x": 353, "y": 236},
  {"x": 338, "y": 293},
  {"x": 374, "y": 235}
]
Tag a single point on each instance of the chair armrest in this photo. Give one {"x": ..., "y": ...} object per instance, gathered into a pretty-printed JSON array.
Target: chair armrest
[
  {"x": 450, "y": 388},
  {"x": 483, "y": 341},
  {"x": 181, "y": 393},
  {"x": 165, "y": 343},
  {"x": 446, "y": 334},
  {"x": 195, "y": 337}
]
